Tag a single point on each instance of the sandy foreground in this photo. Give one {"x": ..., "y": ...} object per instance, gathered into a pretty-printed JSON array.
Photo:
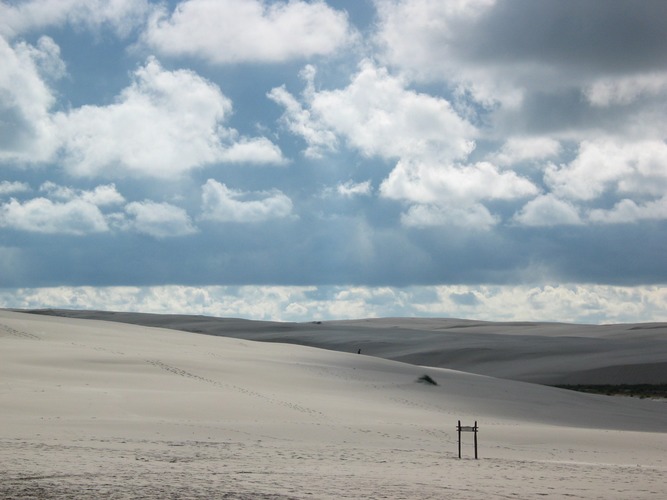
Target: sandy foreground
[{"x": 95, "y": 409}]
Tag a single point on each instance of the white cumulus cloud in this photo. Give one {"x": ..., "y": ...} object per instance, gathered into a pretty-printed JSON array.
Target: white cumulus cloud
[
  {"x": 377, "y": 115},
  {"x": 68, "y": 210},
  {"x": 605, "y": 165},
  {"x": 629, "y": 174},
  {"x": 298, "y": 119},
  {"x": 160, "y": 220},
  {"x": 100, "y": 196},
  {"x": 548, "y": 210},
  {"x": 350, "y": 189},
  {"x": 380, "y": 116},
  {"x": 629, "y": 211},
  {"x": 522, "y": 149},
  {"x": 222, "y": 204},
  {"x": 231, "y": 31},
  {"x": 41, "y": 215},
  {"x": 257, "y": 150},
  {"x": 163, "y": 125},
  {"x": 444, "y": 194},
  {"x": 122, "y": 16},
  {"x": 432, "y": 183},
  {"x": 27, "y": 133},
  {"x": 8, "y": 187},
  {"x": 65, "y": 210}
]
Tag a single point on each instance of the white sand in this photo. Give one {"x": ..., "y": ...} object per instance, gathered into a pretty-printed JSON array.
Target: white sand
[
  {"x": 545, "y": 353},
  {"x": 93, "y": 409}
]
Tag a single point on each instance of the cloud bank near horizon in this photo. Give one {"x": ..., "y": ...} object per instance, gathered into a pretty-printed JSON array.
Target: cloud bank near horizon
[{"x": 565, "y": 303}]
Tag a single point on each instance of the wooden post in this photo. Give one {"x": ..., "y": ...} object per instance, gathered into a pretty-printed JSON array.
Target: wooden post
[
  {"x": 458, "y": 428},
  {"x": 475, "y": 432}
]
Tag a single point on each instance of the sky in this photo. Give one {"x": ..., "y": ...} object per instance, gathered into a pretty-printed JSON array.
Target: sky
[{"x": 307, "y": 160}]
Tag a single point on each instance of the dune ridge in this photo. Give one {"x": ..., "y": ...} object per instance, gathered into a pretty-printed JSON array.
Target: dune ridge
[{"x": 545, "y": 353}]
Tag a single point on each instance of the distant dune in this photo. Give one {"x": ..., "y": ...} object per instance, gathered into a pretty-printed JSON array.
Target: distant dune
[
  {"x": 100, "y": 409},
  {"x": 545, "y": 353}
]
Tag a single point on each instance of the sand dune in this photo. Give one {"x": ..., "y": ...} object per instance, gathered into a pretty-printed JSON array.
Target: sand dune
[
  {"x": 545, "y": 353},
  {"x": 96, "y": 409}
]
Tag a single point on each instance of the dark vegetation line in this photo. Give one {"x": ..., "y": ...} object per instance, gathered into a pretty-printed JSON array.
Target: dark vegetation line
[{"x": 634, "y": 390}]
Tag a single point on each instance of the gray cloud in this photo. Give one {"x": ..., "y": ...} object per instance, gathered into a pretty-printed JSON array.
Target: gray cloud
[{"x": 613, "y": 36}]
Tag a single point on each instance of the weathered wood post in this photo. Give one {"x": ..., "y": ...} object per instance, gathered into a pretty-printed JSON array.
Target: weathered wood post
[
  {"x": 475, "y": 432},
  {"x": 458, "y": 428}
]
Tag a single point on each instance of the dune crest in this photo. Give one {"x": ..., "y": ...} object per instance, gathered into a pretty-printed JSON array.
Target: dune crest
[{"x": 544, "y": 353}]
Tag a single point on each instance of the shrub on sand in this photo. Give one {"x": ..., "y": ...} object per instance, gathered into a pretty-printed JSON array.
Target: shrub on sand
[{"x": 426, "y": 379}]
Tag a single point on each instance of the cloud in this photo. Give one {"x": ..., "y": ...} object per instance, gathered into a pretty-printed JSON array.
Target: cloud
[
  {"x": 433, "y": 183},
  {"x": 163, "y": 125},
  {"x": 567, "y": 302},
  {"x": 628, "y": 211},
  {"x": 471, "y": 216},
  {"x": 232, "y": 31},
  {"x": 41, "y": 215},
  {"x": 490, "y": 141},
  {"x": 27, "y": 133},
  {"x": 122, "y": 16},
  {"x": 377, "y": 115},
  {"x": 319, "y": 139},
  {"x": 422, "y": 37},
  {"x": 75, "y": 211},
  {"x": 435, "y": 39},
  {"x": 79, "y": 212},
  {"x": 515, "y": 74},
  {"x": 548, "y": 210},
  {"x": 222, "y": 204},
  {"x": 257, "y": 150},
  {"x": 562, "y": 68},
  {"x": 623, "y": 90},
  {"x": 451, "y": 194},
  {"x": 350, "y": 189},
  {"x": 526, "y": 149},
  {"x": 159, "y": 220},
  {"x": 612, "y": 166},
  {"x": 7, "y": 187},
  {"x": 630, "y": 175},
  {"x": 100, "y": 196}
]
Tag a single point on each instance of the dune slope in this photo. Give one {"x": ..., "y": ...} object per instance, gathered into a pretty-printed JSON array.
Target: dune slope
[{"x": 544, "y": 353}]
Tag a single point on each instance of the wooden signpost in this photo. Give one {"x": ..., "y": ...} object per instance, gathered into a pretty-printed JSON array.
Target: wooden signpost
[{"x": 467, "y": 428}]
